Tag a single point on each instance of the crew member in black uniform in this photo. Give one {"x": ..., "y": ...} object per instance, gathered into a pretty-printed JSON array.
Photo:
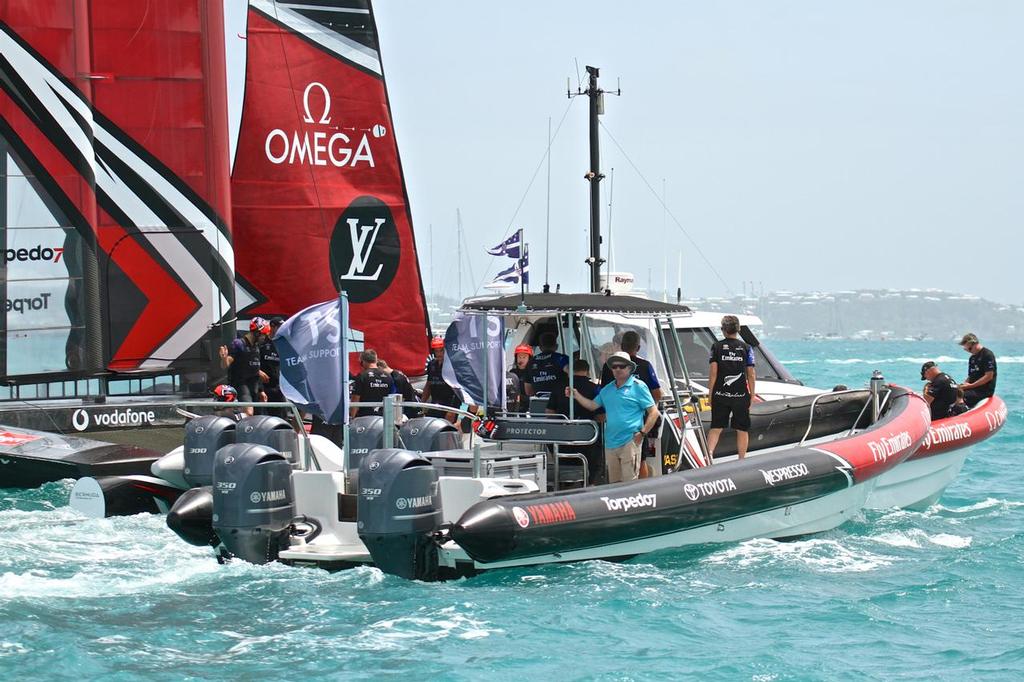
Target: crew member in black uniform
[
  {"x": 436, "y": 390},
  {"x": 732, "y": 381},
  {"x": 516, "y": 379},
  {"x": 371, "y": 386},
  {"x": 227, "y": 394},
  {"x": 939, "y": 392},
  {"x": 558, "y": 403},
  {"x": 402, "y": 386},
  {"x": 981, "y": 371},
  {"x": 242, "y": 361},
  {"x": 959, "y": 407},
  {"x": 547, "y": 369},
  {"x": 270, "y": 370}
]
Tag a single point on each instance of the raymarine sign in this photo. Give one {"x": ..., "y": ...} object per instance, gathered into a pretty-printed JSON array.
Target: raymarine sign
[{"x": 112, "y": 419}]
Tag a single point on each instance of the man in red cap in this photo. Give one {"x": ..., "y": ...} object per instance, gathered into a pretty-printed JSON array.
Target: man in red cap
[
  {"x": 242, "y": 361},
  {"x": 436, "y": 390}
]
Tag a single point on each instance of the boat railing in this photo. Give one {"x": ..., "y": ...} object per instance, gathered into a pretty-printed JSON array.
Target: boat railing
[
  {"x": 860, "y": 415},
  {"x": 307, "y": 460}
]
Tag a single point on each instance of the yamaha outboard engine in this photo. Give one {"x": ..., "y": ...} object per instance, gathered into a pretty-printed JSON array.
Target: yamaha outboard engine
[
  {"x": 365, "y": 434},
  {"x": 430, "y": 434},
  {"x": 399, "y": 510},
  {"x": 252, "y": 501},
  {"x": 273, "y": 432},
  {"x": 191, "y": 517},
  {"x": 204, "y": 436}
]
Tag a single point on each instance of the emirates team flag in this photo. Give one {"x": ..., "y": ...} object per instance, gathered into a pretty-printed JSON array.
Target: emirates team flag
[
  {"x": 474, "y": 345},
  {"x": 314, "y": 359}
]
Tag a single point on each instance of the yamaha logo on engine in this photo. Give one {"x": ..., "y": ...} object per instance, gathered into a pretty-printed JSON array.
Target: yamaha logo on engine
[{"x": 365, "y": 249}]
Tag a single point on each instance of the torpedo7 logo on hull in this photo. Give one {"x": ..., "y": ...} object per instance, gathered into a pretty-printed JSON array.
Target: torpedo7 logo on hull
[{"x": 36, "y": 253}]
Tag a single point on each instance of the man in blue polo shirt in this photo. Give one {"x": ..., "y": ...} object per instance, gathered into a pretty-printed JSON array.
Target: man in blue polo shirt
[{"x": 631, "y": 414}]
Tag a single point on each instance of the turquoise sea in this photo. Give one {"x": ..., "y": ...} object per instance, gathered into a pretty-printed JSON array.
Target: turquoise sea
[{"x": 890, "y": 595}]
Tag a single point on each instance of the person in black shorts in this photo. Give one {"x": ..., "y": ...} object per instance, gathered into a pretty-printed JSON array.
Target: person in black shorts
[
  {"x": 939, "y": 392},
  {"x": 242, "y": 361},
  {"x": 732, "y": 386},
  {"x": 371, "y": 386},
  {"x": 981, "y": 371}
]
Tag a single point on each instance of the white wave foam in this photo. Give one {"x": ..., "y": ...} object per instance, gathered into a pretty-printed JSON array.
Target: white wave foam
[
  {"x": 820, "y": 554},
  {"x": 984, "y": 505},
  {"x": 953, "y": 541},
  {"x": 897, "y": 540},
  {"x": 396, "y": 633}
]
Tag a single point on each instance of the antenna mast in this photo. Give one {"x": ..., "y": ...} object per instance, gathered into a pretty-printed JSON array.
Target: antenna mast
[{"x": 594, "y": 175}]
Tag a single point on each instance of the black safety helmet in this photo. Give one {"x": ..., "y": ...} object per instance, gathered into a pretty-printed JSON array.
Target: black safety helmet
[{"x": 925, "y": 367}]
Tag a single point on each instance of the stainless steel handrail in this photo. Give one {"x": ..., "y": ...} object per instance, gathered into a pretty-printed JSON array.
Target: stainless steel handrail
[
  {"x": 810, "y": 419},
  {"x": 307, "y": 450}
]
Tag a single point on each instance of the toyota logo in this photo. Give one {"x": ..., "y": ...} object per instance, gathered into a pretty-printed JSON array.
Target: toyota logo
[
  {"x": 80, "y": 420},
  {"x": 691, "y": 491}
]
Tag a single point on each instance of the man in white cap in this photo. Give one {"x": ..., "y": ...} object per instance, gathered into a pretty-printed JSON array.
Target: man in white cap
[{"x": 631, "y": 414}]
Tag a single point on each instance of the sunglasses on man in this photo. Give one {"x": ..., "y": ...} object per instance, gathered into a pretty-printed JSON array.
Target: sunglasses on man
[{"x": 618, "y": 366}]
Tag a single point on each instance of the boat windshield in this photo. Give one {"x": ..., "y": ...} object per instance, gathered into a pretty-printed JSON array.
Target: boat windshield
[{"x": 696, "y": 343}]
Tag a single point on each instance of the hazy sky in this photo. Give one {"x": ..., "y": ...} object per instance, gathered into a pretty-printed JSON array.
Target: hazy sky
[{"x": 805, "y": 145}]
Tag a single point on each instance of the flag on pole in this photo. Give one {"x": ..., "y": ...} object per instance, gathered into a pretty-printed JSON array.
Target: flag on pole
[
  {"x": 511, "y": 247},
  {"x": 475, "y": 358},
  {"x": 314, "y": 359},
  {"x": 519, "y": 269}
]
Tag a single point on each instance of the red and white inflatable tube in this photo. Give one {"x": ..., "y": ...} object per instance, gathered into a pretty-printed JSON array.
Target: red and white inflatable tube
[{"x": 964, "y": 430}]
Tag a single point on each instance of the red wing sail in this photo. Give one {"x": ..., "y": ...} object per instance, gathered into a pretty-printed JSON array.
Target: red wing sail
[
  {"x": 117, "y": 114},
  {"x": 317, "y": 189}
]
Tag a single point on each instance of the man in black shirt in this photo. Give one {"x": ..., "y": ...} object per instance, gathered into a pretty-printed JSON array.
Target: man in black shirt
[
  {"x": 436, "y": 390},
  {"x": 731, "y": 385},
  {"x": 402, "y": 387},
  {"x": 547, "y": 369},
  {"x": 270, "y": 370},
  {"x": 371, "y": 386},
  {"x": 981, "y": 371},
  {"x": 939, "y": 392},
  {"x": 242, "y": 361}
]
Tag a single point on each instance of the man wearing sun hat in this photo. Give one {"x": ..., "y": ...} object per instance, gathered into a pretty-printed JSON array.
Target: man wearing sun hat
[
  {"x": 981, "y": 371},
  {"x": 630, "y": 415}
]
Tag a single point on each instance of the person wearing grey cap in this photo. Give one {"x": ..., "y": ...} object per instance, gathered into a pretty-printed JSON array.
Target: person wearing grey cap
[
  {"x": 981, "y": 371},
  {"x": 939, "y": 392}
]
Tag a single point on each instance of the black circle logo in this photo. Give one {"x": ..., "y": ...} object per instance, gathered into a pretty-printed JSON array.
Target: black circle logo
[{"x": 365, "y": 250}]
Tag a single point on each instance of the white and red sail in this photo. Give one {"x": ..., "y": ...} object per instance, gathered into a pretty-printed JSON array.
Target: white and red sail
[
  {"x": 318, "y": 196},
  {"x": 115, "y": 127},
  {"x": 115, "y": 150}
]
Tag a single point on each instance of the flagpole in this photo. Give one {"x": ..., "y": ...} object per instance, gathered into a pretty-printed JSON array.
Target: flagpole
[{"x": 345, "y": 383}]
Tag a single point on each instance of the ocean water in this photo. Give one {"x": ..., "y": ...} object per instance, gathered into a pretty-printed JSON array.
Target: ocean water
[{"x": 890, "y": 595}]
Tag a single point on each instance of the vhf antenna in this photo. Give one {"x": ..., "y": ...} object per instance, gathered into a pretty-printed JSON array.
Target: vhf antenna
[{"x": 594, "y": 175}]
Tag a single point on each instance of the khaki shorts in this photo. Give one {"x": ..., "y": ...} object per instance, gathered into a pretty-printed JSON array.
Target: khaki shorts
[{"x": 623, "y": 462}]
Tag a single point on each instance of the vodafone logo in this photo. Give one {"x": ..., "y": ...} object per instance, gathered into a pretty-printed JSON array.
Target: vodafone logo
[
  {"x": 330, "y": 147},
  {"x": 82, "y": 419}
]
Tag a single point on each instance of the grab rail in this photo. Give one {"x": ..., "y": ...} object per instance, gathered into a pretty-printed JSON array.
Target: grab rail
[
  {"x": 810, "y": 419},
  {"x": 307, "y": 450}
]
